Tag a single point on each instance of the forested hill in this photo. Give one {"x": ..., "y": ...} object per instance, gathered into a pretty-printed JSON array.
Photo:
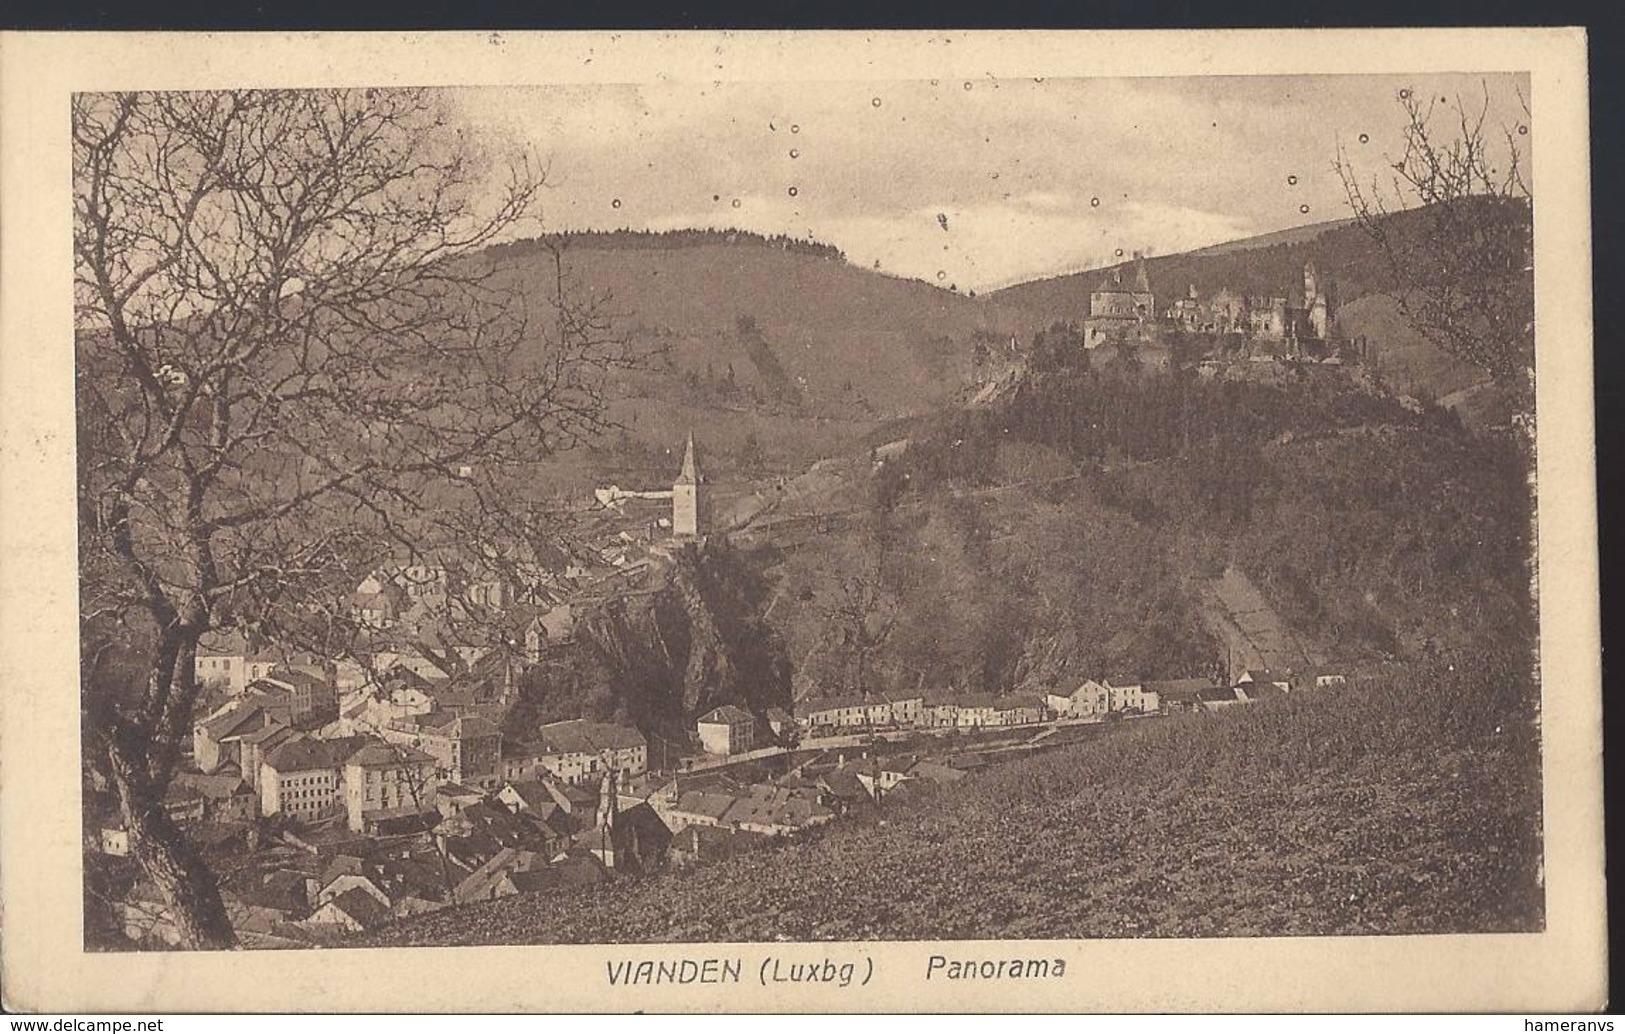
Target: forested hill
[
  {"x": 1345, "y": 256},
  {"x": 774, "y": 345}
]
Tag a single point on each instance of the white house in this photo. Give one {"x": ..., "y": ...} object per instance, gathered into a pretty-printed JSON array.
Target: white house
[
  {"x": 939, "y": 715},
  {"x": 837, "y": 712},
  {"x": 977, "y": 712},
  {"x": 1130, "y": 696},
  {"x": 1091, "y": 698},
  {"x": 386, "y": 779},
  {"x": 300, "y": 779},
  {"x": 727, "y": 730},
  {"x": 579, "y": 751}
]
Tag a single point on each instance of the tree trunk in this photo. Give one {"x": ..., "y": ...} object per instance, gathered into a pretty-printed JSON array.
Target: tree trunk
[{"x": 166, "y": 857}]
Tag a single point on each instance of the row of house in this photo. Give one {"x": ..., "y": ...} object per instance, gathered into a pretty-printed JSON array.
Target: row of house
[
  {"x": 969, "y": 712},
  {"x": 1251, "y": 686},
  {"x": 1091, "y": 699},
  {"x": 578, "y": 752}
]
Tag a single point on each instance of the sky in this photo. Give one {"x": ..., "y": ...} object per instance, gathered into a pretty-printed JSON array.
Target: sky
[{"x": 980, "y": 183}]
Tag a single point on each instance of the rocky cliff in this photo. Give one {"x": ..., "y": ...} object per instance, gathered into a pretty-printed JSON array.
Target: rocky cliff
[{"x": 691, "y": 639}]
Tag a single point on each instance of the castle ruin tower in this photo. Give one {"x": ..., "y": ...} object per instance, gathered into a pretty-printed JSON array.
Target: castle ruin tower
[{"x": 688, "y": 497}]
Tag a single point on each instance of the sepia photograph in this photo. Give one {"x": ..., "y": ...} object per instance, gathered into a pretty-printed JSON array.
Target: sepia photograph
[{"x": 977, "y": 508}]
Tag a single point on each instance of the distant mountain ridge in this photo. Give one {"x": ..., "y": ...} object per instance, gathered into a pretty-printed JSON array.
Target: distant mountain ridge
[{"x": 781, "y": 351}]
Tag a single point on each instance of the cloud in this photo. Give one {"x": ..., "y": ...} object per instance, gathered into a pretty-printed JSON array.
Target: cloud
[{"x": 1035, "y": 178}]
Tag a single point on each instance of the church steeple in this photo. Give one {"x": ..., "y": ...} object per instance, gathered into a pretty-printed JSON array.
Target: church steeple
[
  {"x": 690, "y": 474},
  {"x": 688, "y": 503}
]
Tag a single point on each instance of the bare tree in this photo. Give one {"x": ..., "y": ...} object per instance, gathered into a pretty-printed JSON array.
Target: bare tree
[
  {"x": 295, "y": 354},
  {"x": 1452, "y": 224}
]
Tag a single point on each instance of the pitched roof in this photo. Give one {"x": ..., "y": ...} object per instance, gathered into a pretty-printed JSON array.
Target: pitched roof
[
  {"x": 1217, "y": 694},
  {"x": 378, "y": 754},
  {"x": 535, "y": 796},
  {"x": 575, "y": 870},
  {"x": 309, "y": 755},
  {"x": 727, "y": 714},
  {"x": 778, "y": 714},
  {"x": 644, "y": 785},
  {"x": 246, "y": 717},
  {"x": 283, "y": 889},
  {"x": 698, "y": 802},
  {"x": 937, "y": 773},
  {"x": 581, "y": 736},
  {"x": 178, "y": 791},
  {"x": 472, "y": 725},
  {"x": 270, "y": 736},
  {"x": 342, "y": 865},
  {"x": 844, "y": 783},
  {"x": 1259, "y": 690},
  {"x": 269, "y": 690},
  {"x": 297, "y": 677},
  {"x": 834, "y": 704},
  {"x": 512, "y": 750},
  {"x": 1187, "y": 688},
  {"x": 417, "y": 877},
  {"x": 1263, "y": 675},
  {"x": 224, "y": 643},
  {"x": 782, "y": 809},
  {"x": 216, "y": 786},
  {"x": 1113, "y": 281},
  {"x": 715, "y": 841},
  {"x": 979, "y": 700},
  {"x": 365, "y": 909},
  {"x": 1013, "y": 703}
]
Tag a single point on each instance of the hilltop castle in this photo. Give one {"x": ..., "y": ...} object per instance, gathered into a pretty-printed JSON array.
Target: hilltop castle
[
  {"x": 1306, "y": 316},
  {"x": 1118, "y": 310},
  {"x": 1127, "y": 312}
]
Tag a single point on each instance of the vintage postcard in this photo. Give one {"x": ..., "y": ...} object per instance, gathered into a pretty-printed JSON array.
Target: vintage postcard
[{"x": 806, "y": 522}]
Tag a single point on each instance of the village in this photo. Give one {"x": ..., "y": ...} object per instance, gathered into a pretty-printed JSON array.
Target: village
[{"x": 334, "y": 796}]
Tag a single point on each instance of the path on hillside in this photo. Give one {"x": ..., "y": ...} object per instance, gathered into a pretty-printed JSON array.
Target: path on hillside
[{"x": 1253, "y": 635}]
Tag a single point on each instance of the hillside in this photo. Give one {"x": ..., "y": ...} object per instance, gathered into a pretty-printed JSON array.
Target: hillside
[
  {"x": 781, "y": 342},
  {"x": 785, "y": 353},
  {"x": 658, "y": 655},
  {"x": 1078, "y": 529},
  {"x": 1291, "y": 235},
  {"x": 1400, "y": 807}
]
